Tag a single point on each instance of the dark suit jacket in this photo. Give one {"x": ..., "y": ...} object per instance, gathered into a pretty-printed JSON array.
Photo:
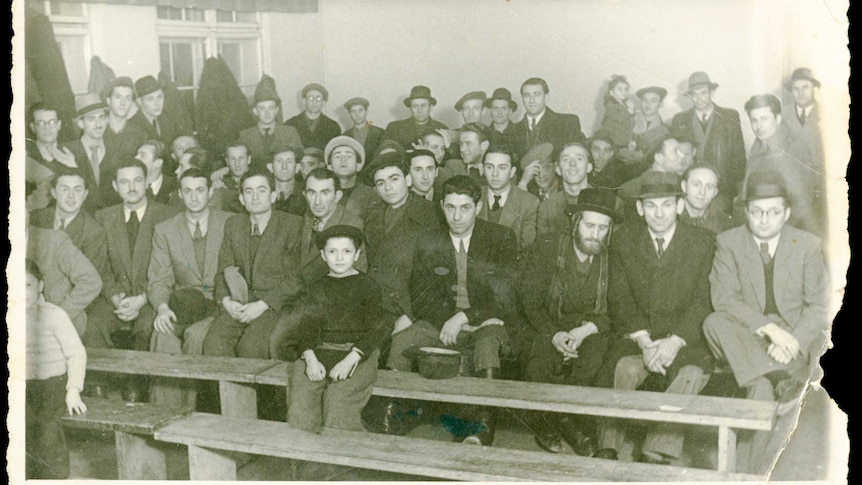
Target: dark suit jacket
[
  {"x": 520, "y": 213},
  {"x": 101, "y": 195},
  {"x": 509, "y": 136},
  {"x": 667, "y": 296},
  {"x": 127, "y": 270},
  {"x": 406, "y": 132},
  {"x": 361, "y": 201},
  {"x": 173, "y": 264},
  {"x": 327, "y": 129},
  {"x": 554, "y": 128},
  {"x": 490, "y": 275},
  {"x": 372, "y": 140},
  {"x": 125, "y": 144},
  {"x": 808, "y": 133},
  {"x": 311, "y": 265},
  {"x": 802, "y": 283},
  {"x": 721, "y": 146},
  {"x": 273, "y": 275},
  {"x": 85, "y": 233},
  {"x": 168, "y": 128},
  {"x": 390, "y": 253},
  {"x": 169, "y": 185},
  {"x": 283, "y": 136}
]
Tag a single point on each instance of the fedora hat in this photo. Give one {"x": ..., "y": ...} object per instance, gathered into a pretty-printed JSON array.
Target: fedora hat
[
  {"x": 803, "y": 73},
  {"x": 316, "y": 87},
  {"x": 354, "y": 101},
  {"x": 505, "y": 95},
  {"x": 420, "y": 92},
  {"x": 119, "y": 81},
  {"x": 661, "y": 92},
  {"x": 87, "y": 104},
  {"x": 603, "y": 201},
  {"x": 480, "y": 95},
  {"x": 146, "y": 85},
  {"x": 658, "y": 184},
  {"x": 265, "y": 91},
  {"x": 698, "y": 78},
  {"x": 340, "y": 141},
  {"x": 764, "y": 185}
]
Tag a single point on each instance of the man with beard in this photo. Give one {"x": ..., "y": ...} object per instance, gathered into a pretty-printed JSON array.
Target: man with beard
[
  {"x": 564, "y": 290},
  {"x": 658, "y": 297},
  {"x": 314, "y": 128},
  {"x": 555, "y": 214},
  {"x": 700, "y": 185},
  {"x": 407, "y": 132},
  {"x": 503, "y": 202},
  {"x": 267, "y": 136}
]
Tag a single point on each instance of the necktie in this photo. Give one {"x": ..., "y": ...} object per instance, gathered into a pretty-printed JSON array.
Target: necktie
[
  {"x": 802, "y": 116},
  {"x": 62, "y": 226},
  {"x": 198, "y": 233},
  {"x": 156, "y": 126},
  {"x": 255, "y": 231},
  {"x": 660, "y": 242},
  {"x": 267, "y": 135},
  {"x": 474, "y": 172},
  {"x": 764, "y": 253},
  {"x": 132, "y": 227},
  {"x": 94, "y": 161},
  {"x": 532, "y": 124},
  {"x": 462, "y": 300},
  {"x": 497, "y": 205},
  {"x": 317, "y": 226}
]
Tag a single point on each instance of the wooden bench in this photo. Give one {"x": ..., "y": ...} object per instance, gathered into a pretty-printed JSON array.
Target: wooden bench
[
  {"x": 237, "y": 377},
  {"x": 133, "y": 425},
  {"x": 215, "y": 442}
]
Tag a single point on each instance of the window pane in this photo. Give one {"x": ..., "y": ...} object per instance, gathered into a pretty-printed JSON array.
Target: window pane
[
  {"x": 194, "y": 14},
  {"x": 241, "y": 57},
  {"x": 183, "y": 64},
  {"x": 67, "y": 9},
  {"x": 72, "y": 49},
  {"x": 231, "y": 55},
  {"x": 165, "y": 58},
  {"x": 183, "y": 59},
  {"x": 169, "y": 13},
  {"x": 225, "y": 16},
  {"x": 246, "y": 17}
]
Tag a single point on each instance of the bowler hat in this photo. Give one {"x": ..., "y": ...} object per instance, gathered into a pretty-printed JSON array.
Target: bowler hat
[
  {"x": 480, "y": 95},
  {"x": 658, "y": 184},
  {"x": 541, "y": 152},
  {"x": 764, "y": 185},
  {"x": 698, "y": 78},
  {"x": 316, "y": 87},
  {"x": 420, "y": 92},
  {"x": 340, "y": 230},
  {"x": 146, "y": 85},
  {"x": 661, "y": 92},
  {"x": 603, "y": 201},
  {"x": 505, "y": 95},
  {"x": 354, "y": 101},
  {"x": 803, "y": 73},
  {"x": 87, "y": 104},
  {"x": 344, "y": 140},
  {"x": 265, "y": 91},
  {"x": 119, "y": 81}
]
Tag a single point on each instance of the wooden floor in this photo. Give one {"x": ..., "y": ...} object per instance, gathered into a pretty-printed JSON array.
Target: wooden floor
[{"x": 810, "y": 455}]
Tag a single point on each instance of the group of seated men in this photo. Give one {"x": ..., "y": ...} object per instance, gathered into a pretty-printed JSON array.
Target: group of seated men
[{"x": 583, "y": 262}]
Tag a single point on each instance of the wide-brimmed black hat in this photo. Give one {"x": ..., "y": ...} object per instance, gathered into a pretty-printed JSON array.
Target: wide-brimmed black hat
[
  {"x": 505, "y": 95},
  {"x": 764, "y": 185},
  {"x": 420, "y": 92},
  {"x": 658, "y": 184},
  {"x": 480, "y": 95},
  {"x": 603, "y": 201}
]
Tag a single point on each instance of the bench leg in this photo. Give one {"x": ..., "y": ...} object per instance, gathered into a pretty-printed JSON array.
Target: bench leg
[
  {"x": 138, "y": 459},
  {"x": 238, "y": 400},
  {"x": 726, "y": 449},
  {"x": 205, "y": 464}
]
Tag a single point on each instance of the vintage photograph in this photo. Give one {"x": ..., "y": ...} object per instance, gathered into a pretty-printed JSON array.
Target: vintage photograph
[{"x": 377, "y": 240}]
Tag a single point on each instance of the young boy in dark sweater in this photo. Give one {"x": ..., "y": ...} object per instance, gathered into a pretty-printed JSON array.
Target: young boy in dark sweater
[{"x": 342, "y": 325}]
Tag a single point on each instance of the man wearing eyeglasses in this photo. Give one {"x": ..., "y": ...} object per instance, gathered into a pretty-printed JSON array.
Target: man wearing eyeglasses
[
  {"x": 41, "y": 160},
  {"x": 314, "y": 127},
  {"x": 769, "y": 288}
]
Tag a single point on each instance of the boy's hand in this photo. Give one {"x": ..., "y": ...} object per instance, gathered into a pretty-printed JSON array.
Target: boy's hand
[
  {"x": 345, "y": 367},
  {"x": 74, "y": 404},
  {"x": 314, "y": 370}
]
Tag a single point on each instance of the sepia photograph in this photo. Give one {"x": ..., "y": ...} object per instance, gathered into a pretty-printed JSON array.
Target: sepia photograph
[{"x": 378, "y": 240}]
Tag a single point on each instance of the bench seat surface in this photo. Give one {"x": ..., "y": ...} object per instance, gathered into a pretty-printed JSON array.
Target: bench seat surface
[
  {"x": 212, "y": 368},
  {"x": 114, "y": 415}
]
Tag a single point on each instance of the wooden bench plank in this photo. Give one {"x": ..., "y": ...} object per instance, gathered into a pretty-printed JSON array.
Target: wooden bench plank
[
  {"x": 408, "y": 455},
  {"x": 112, "y": 415},
  {"x": 177, "y": 365}
]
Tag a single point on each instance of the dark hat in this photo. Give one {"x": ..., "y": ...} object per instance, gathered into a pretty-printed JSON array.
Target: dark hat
[
  {"x": 387, "y": 146},
  {"x": 146, "y": 85},
  {"x": 603, "y": 201},
  {"x": 602, "y": 135},
  {"x": 343, "y": 140},
  {"x": 313, "y": 152},
  {"x": 316, "y": 87},
  {"x": 120, "y": 81},
  {"x": 658, "y": 184},
  {"x": 505, "y": 95},
  {"x": 662, "y": 92},
  {"x": 87, "y": 104},
  {"x": 420, "y": 92},
  {"x": 698, "y": 78},
  {"x": 803, "y": 73},
  {"x": 354, "y": 101},
  {"x": 480, "y": 95},
  {"x": 340, "y": 230},
  {"x": 541, "y": 152},
  {"x": 190, "y": 305},
  {"x": 265, "y": 91},
  {"x": 764, "y": 185}
]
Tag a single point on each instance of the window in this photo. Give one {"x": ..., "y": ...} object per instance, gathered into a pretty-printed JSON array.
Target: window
[{"x": 188, "y": 36}]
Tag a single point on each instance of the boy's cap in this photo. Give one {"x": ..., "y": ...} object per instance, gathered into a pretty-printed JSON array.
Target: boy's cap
[{"x": 341, "y": 230}]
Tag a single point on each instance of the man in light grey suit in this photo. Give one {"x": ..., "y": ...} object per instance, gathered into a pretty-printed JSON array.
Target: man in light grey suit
[
  {"x": 770, "y": 291},
  {"x": 181, "y": 279},
  {"x": 503, "y": 202}
]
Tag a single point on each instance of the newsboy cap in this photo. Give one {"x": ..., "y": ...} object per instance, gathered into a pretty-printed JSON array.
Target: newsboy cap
[
  {"x": 354, "y": 101},
  {"x": 344, "y": 140},
  {"x": 119, "y": 81},
  {"x": 316, "y": 87},
  {"x": 661, "y": 92},
  {"x": 480, "y": 95}
]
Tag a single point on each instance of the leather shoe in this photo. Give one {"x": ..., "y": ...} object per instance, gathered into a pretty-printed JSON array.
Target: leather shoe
[
  {"x": 550, "y": 441},
  {"x": 579, "y": 439},
  {"x": 606, "y": 454}
]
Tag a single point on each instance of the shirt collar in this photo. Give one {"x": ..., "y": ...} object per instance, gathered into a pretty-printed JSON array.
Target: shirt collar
[
  {"x": 68, "y": 219},
  {"x": 203, "y": 220},
  {"x": 708, "y": 112},
  {"x": 772, "y": 243},
  {"x": 503, "y": 197},
  {"x": 456, "y": 241},
  {"x": 156, "y": 185},
  {"x": 538, "y": 117},
  {"x": 667, "y": 236},
  {"x": 128, "y": 212},
  {"x": 261, "y": 220}
]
